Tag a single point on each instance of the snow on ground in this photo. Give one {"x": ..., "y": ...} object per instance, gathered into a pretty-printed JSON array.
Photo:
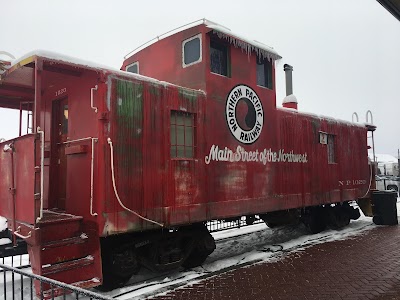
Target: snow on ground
[
  {"x": 260, "y": 244},
  {"x": 3, "y": 223},
  {"x": 235, "y": 247}
]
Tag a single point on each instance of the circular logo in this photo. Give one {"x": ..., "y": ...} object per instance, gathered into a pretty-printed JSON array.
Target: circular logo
[{"x": 244, "y": 114}]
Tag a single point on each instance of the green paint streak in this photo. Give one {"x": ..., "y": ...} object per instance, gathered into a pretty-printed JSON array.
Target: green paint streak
[
  {"x": 129, "y": 100},
  {"x": 129, "y": 121}
]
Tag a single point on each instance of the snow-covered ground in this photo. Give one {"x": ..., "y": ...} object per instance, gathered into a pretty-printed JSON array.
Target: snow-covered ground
[{"x": 235, "y": 247}]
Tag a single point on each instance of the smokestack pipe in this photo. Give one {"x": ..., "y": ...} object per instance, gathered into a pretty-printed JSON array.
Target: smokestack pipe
[
  {"x": 289, "y": 83},
  {"x": 290, "y": 101}
]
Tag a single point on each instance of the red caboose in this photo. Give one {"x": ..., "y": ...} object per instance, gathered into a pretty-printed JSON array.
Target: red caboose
[{"x": 116, "y": 157}]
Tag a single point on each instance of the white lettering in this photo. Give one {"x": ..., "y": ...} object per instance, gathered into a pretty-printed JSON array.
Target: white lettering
[{"x": 241, "y": 155}]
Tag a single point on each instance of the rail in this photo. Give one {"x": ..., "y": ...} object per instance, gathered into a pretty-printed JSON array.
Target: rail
[
  {"x": 18, "y": 234},
  {"x": 170, "y": 32},
  {"x": 116, "y": 191},
  {"x": 354, "y": 115},
  {"x": 23, "y": 285},
  {"x": 91, "y": 98},
  {"x": 157, "y": 38},
  {"x": 92, "y": 178},
  {"x": 41, "y": 132}
]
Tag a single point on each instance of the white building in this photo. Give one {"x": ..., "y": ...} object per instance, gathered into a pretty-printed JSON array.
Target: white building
[{"x": 387, "y": 164}]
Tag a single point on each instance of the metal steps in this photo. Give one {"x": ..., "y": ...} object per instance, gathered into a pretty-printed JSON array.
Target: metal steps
[
  {"x": 59, "y": 291},
  {"x": 67, "y": 265},
  {"x": 66, "y": 249}
]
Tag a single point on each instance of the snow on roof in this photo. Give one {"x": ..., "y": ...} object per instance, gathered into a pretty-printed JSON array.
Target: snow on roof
[
  {"x": 91, "y": 65},
  {"x": 244, "y": 43},
  {"x": 63, "y": 58},
  {"x": 237, "y": 40},
  {"x": 290, "y": 99},
  {"x": 383, "y": 158},
  {"x": 322, "y": 117}
]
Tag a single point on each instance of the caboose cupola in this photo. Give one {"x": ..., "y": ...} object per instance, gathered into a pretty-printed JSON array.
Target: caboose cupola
[{"x": 207, "y": 56}]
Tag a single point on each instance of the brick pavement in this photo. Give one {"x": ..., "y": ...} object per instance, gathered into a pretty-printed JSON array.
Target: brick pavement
[{"x": 364, "y": 267}]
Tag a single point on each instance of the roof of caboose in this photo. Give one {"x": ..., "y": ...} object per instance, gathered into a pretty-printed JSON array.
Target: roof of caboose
[
  {"x": 221, "y": 31},
  {"x": 17, "y": 81}
]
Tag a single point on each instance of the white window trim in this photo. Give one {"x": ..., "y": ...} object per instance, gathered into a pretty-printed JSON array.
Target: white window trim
[
  {"x": 135, "y": 63},
  {"x": 199, "y": 36},
  {"x": 323, "y": 138}
]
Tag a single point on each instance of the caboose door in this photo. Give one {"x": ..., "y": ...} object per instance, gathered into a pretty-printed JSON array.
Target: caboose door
[{"x": 59, "y": 163}]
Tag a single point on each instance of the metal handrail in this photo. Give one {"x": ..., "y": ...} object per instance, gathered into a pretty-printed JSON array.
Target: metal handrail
[
  {"x": 354, "y": 115},
  {"x": 56, "y": 283},
  {"x": 38, "y": 130},
  {"x": 77, "y": 140},
  {"x": 367, "y": 119},
  {"x": 158, "y": 37},
  {"x": 17, "y": 233},
  {"x": 94, "y": 140},
  {"x": 91, "y": 98}
]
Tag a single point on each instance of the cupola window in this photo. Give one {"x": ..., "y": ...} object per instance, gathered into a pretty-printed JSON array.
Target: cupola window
[
  {"x": 219, "y": 59},
  {"x": 264, "y": 72},
  {"x": 133, "y": 68},
  {"x": 191, "y": 51}
]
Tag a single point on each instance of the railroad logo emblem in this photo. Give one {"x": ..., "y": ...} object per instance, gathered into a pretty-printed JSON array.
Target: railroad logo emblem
[{"x": 244, "y": 114}]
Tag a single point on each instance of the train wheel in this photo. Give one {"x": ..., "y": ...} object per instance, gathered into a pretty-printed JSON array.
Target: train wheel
[
  {"x": 339, "y": 217},
  {"x": 118, "y": 264},
  {"x": 205, "y": 245},
  {"x": 250, "y": 219},
  {"x": 271, "y": 225},
  {"x": 315, "y": 219}
]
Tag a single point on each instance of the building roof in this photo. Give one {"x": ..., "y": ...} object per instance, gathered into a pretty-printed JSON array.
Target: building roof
[
  {"x": 393, "y": 6},
  {"x": 17, "y": 80},
  {"x": 237, "y": 40},
  {"x": 383, "y": 158}
]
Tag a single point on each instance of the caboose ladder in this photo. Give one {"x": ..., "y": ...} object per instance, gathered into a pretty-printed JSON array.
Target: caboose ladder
[{"x": 67, "y": 250}]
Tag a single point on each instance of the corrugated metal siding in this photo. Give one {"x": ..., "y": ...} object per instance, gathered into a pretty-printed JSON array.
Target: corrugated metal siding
[{"x": 127, "y": 136}]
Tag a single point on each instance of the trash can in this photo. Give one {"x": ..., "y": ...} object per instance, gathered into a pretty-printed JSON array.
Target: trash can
[{"x": 384, "y": 207}]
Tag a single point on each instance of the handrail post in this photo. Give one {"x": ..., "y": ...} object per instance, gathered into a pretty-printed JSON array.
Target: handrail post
[
  {"x": 38, "y": 130},
  {"x": 354, "y": 115},
  {"x": 92, "y": 178},
  {"x": 91, "y": 98}
]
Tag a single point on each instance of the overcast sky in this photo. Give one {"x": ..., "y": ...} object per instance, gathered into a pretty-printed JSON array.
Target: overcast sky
[{"x": 345, "y": 54}]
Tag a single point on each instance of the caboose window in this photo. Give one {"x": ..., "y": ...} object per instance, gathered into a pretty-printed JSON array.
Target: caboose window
[
  {"x": 264, "y": 72},
  {"x": 191, "y": 51},
  {"x": 64, "y": 126},
  {"x": 331, "y": 149},
  {"x": 219, "y": 59},
  {"x": 133, "y": 68},
  {"x": 182, "y": 134}
]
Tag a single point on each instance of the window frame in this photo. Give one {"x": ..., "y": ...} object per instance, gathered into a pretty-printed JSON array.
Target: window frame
[
  {"x": 133, "y": 64},
  {"x": 329, "y": 140},
  {"x": 331, "y": 149},
  {"x": 174, "y": 113},
  {"x": 199, "y": 36},
  {"x": 267, "y": 66},
  {"x": 228, "y": 57}
]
